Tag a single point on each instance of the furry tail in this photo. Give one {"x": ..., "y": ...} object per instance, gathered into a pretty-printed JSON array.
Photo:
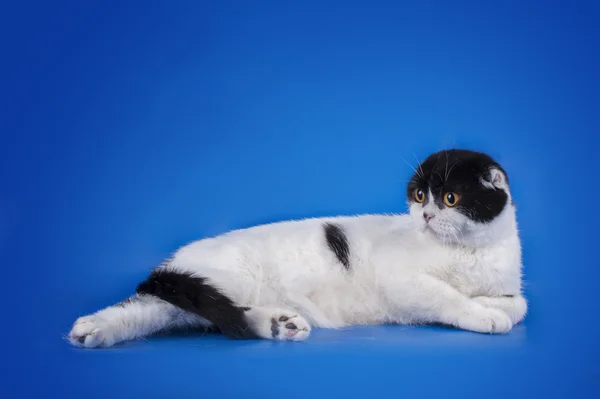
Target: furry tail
[{"x": 194, "y": 294}]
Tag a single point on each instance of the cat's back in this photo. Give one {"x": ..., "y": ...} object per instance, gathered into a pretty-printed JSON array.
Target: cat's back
[
  {"x": 298, "y": 229},
  {"x": 294, "y": 241}
]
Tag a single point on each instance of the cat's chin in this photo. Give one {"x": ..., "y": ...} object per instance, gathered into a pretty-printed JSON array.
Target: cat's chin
[
  {"x": 441, "y": 237},
  {"x": 427, "y": 229}
]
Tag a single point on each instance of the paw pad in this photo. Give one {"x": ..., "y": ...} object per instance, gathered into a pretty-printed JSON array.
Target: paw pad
[{"x": 289, "y": 328}]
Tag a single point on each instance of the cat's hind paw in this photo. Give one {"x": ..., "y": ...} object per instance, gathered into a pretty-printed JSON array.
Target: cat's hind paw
[
  {"x": 277, "y": 324},
  {"x": 91, "y": 332},
  {"x": 289, "y": 327}
]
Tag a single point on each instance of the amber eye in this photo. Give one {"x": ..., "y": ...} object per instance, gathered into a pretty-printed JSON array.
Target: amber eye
[
  {"x": 451, "y": 199},
  {"x": 419, "y": 196}
]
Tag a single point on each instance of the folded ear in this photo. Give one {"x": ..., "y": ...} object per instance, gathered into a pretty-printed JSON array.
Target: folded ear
[{"x": 495, "y": 179}]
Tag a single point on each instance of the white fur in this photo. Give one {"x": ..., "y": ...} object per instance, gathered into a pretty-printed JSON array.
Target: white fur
[
  {"x": 403, "y": 270},
  {"x": 144, "y": 315}
]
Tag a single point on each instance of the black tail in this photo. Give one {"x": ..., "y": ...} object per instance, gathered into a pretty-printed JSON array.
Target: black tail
[{"x": 195, "y": 295}]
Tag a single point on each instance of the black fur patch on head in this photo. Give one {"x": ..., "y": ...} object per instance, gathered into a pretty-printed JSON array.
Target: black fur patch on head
[
  {"x": 338, "y": 243},
  {"x": 195, "y": 295},
  {"x": 461, "y": 172}
]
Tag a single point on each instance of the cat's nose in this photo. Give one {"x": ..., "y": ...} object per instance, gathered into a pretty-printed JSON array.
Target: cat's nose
[{"x": 427, "y": 216}]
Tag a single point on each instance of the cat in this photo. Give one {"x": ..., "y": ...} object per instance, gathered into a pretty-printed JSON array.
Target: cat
[{"x": 454, "y": 260}]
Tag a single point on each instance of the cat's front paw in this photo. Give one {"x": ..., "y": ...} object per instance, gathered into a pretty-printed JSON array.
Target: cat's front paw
[
  {"x": 514, "y": 306},
  {"x": 486, "y": 320},
  {"x": 91, "y": 332}
]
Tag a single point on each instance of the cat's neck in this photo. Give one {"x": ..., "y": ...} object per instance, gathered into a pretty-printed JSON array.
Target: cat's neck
[{"x": 503, "y": 228}]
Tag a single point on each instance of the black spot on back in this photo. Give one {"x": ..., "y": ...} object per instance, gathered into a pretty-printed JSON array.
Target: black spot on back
[
  {"x": 338, "y": 243},
  {"x": 194, "y": 294}
]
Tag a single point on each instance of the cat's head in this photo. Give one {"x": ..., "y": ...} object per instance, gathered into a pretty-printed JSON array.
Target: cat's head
[{"x": 462, "y": 197}]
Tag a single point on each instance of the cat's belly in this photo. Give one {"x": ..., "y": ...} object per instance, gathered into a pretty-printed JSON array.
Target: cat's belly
[{"x": 334, "y": 307}]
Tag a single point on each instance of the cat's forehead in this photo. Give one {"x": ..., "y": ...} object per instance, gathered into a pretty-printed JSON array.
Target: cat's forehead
[
  {"x": 455, "y": 168},
  {"x": 453, "y": 171}
]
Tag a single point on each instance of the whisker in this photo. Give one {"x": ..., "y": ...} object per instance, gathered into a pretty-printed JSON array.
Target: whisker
[
  {"x": 419, "y": 165},
  {"x": 455, "y": 236},
  {"x": 412, "y": 167},
  {"x": 450, "y": 171},
  {"x": 446, "y": 173}
]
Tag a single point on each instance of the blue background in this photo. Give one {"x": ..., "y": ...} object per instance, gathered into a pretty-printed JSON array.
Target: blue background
[{"x": 131, "y": 128}]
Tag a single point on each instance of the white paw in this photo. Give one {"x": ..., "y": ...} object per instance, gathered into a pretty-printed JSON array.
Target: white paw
[
  {"x": 518, "y": 310},
  {"x": 484, "y": 301},
  {"x": 486, "y": 320},
  {"x": 91, "y": 332},
  {"x": 515, "y": 307},
  {"x": 288, "y": 326}
]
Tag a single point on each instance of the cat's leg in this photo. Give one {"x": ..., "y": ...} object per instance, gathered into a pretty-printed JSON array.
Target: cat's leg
[
  {"x": 426, "y": 299},
  {"x": 140, "y": 315},
  {"x": 515, "y": 306},
  {"x": 278, "y": 324},
  {"x": 199, "y": 295}
]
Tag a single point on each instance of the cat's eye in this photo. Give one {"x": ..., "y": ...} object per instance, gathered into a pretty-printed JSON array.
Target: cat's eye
[
  {"x": 419, "y": 195},
  {"x": 451, "y": 199}
]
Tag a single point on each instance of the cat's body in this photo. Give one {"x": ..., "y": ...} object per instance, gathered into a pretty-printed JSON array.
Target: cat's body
[{"x": 276, "y": 281}]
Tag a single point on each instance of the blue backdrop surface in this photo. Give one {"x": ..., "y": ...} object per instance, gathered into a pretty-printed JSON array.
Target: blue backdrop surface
[{"x": 131, "y": 128}]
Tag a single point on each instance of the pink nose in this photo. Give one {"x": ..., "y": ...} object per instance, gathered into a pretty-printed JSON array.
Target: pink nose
[{"x": 427, "y": 216}]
